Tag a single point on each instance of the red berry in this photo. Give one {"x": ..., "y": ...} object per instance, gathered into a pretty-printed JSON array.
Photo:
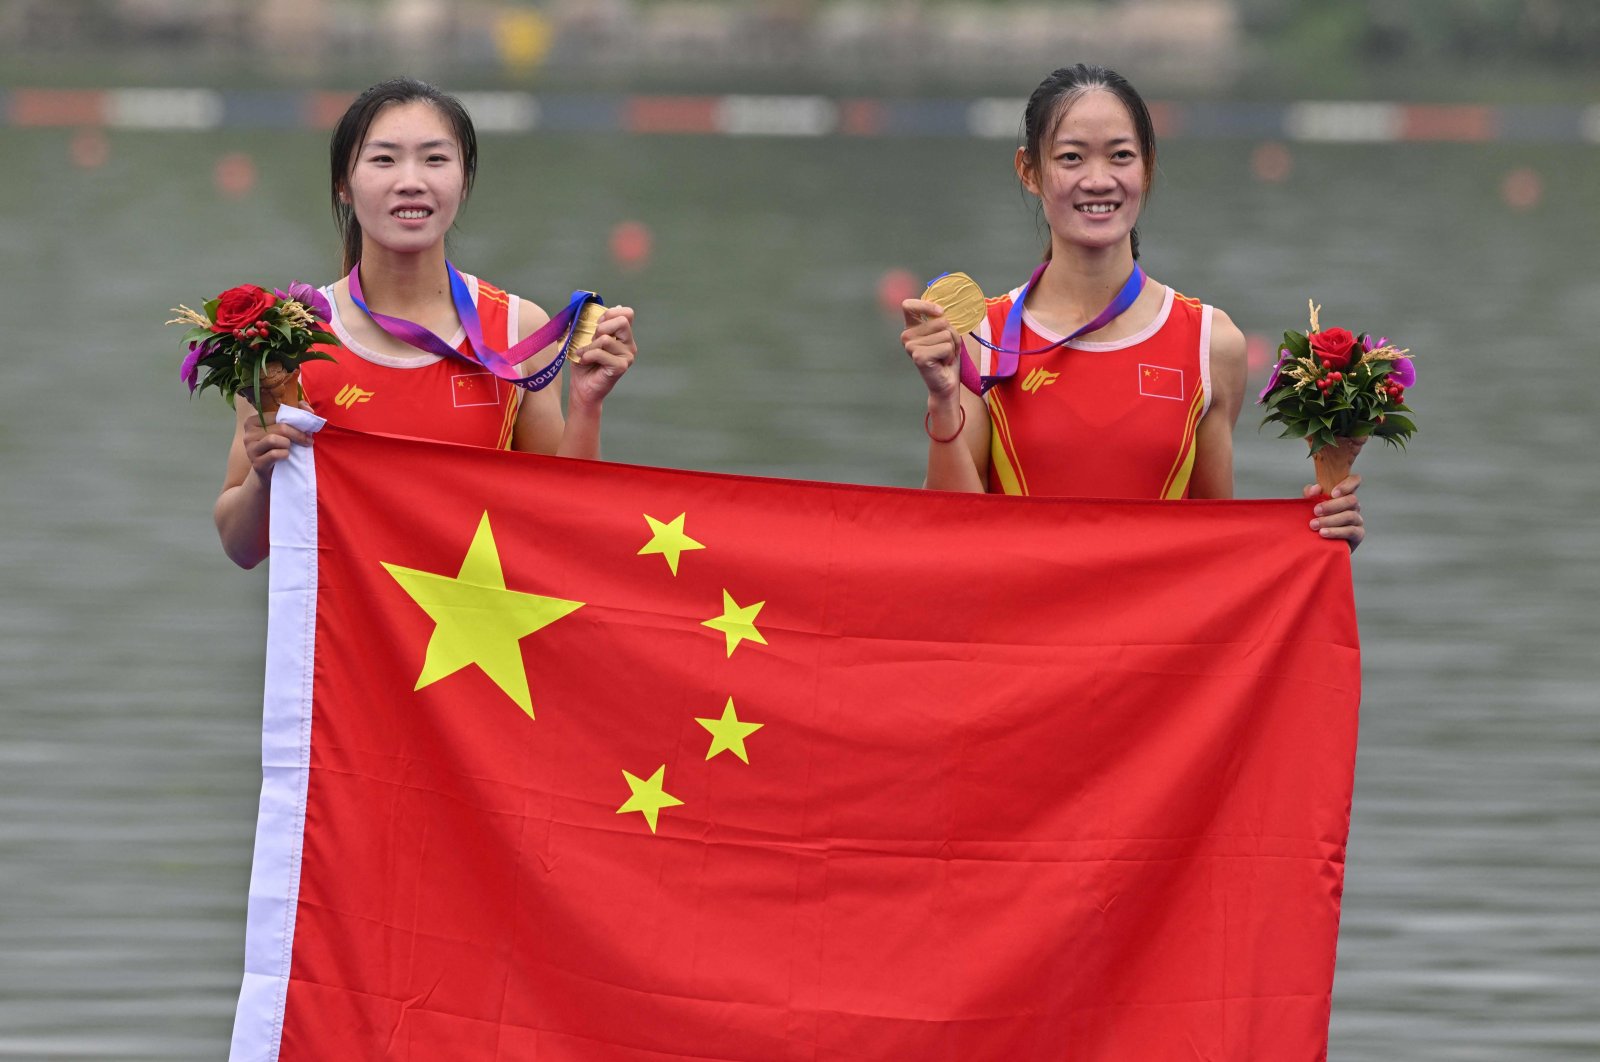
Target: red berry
[{"x": 1336, "y": 376}]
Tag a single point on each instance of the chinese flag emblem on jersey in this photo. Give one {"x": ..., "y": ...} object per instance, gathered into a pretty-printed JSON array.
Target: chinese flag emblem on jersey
[
  {"x": 474, "y": 389},
  {"x": 1157, "y": 381},
  {"x": 569, "y": 761}
]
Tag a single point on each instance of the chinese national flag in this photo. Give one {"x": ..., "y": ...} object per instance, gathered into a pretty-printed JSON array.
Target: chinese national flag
[{"x": 576, "y": 761}]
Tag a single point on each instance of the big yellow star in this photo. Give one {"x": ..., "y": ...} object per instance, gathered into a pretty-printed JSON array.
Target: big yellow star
[
  {"x": 477, "y": 620},
  {"x": 668, "y": 540},
  {"x": 648, "y": 797},
  {"x": 737, "y": 623},
  {"x": 729, "y": 732}
]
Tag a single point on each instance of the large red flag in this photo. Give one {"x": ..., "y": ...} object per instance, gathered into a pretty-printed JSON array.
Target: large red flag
[{"x": 567, "y": 760}]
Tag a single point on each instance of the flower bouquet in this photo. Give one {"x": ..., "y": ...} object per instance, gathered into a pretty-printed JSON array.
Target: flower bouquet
[
  {"x": 251, "y": 342},
  {"x": 1336, "y": 389}
]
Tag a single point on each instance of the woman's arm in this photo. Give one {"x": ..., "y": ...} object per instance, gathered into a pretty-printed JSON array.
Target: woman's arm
[
  {"x": 957, "y": 421},
  {"x": 241, "y": 510},
  {"x": 1338, "y": 517},
  {"x": 591, "y": 374},
  {"x": 1212, "y": 476}
]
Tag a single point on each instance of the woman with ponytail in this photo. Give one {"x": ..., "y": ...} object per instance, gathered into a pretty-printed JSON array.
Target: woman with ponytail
[
  {"x": 1090, "y": 380},
  {"x": 403, "y": 159}
]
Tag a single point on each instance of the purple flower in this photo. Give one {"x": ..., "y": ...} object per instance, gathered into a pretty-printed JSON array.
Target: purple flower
[
  {"x": 1272, "y": 381},
  {"x": 189, "y": 373},
  {"x": 1403, "y": 372},
  {"x": 309, "y": 297}
]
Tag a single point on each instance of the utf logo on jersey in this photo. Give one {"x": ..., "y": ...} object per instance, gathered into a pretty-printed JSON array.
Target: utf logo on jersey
[
  {"x": 350, "y": 394},
  {"x": 1038, "y": 378}
]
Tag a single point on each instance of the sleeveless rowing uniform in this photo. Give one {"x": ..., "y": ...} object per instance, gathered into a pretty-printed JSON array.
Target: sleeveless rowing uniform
[
  {"x": 425, "y": 396},
  {"x": 1101, "y": 420}
]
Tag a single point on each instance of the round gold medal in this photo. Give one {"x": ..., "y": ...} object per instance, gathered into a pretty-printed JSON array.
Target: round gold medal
[{"x": 962, "y": 300}]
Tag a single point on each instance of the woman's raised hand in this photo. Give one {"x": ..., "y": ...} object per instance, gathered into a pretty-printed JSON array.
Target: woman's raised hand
[
  {"x": 600, "y": 364},
  {"x": 934, "y": 347}
]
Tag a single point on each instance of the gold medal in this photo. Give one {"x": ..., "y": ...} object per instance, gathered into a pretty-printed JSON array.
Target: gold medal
[
  {"x": 583, "y": 328},
  {"x": 962, "y": 299}
]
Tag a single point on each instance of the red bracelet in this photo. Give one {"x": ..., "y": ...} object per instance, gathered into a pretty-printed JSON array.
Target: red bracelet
[{"x": 927, "y": 426}]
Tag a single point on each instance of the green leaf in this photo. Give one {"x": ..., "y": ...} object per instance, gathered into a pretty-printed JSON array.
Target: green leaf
[
  {"x": 255, "y": 366},
  {"x": 1405, "y": 424}
]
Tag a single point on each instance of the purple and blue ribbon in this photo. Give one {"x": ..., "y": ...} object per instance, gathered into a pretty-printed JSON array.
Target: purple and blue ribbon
[
  {"x": 502, "y": 363},
  {"x": 1009, "y": 352}
]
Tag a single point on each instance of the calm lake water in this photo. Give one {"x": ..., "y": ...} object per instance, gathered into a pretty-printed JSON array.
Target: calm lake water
[{"x": 130, "y": 686}]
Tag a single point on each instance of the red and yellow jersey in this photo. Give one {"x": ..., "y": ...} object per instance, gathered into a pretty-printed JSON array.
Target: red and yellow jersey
[
  {"x": 425, "y": 396},
  {"x": 1101, "y": 419}
]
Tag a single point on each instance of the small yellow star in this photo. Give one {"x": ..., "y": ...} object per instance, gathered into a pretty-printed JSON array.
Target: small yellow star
[
  {"x": 737, "y": 623},
  {"x": 729, "y": 732},
  {"x": 648, "y": 797},
  {"x": 668, "y": 540},
  {"x": 477, "y": 620}
]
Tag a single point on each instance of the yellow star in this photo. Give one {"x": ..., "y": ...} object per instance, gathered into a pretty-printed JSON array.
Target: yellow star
[
  {"x": 668, "y": 540},
  {"x": 729, "y": 732},
  {"x": 736, "y": 622},
  {"x": 648, "y": 797},
  {"x": 477, "y": 620}
]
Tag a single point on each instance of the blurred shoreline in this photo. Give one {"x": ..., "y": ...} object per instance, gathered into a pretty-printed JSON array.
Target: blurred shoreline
[{"x": 1190, "y": 49}]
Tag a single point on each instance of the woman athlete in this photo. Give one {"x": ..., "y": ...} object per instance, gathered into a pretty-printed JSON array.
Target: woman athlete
[
  {"x": 403, "y": 158},
  {"x": 1142, "y": 408}
]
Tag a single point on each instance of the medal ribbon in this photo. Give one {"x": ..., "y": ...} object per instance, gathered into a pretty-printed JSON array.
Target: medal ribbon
[
  {"x": 502, "y": 363},
  {"x": 1008, "y": 352}
]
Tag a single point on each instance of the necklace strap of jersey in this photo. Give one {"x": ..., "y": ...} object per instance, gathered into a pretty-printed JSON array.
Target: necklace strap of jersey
[
  {"x": 1008, "y": 353},
  {"x": 502, "y": 363}
]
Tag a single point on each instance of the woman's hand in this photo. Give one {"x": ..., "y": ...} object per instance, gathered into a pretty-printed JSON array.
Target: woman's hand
[
  {"x": 1339, "y": 516},
  {"x": 934, "y": 348},
  {"x": 598, "y": 366},
  {"x": 265, "y": 447}
]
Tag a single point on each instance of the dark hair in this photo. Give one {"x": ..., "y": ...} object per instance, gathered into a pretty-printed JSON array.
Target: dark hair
[
  {"x": 351, "y": 131},
  {"x": 1064, "y": 87}
]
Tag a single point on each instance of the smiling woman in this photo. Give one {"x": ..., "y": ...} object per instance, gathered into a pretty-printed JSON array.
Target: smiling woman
[
  {"x": 1144, "y": 407},
  {"x": 403, "y": 160}
]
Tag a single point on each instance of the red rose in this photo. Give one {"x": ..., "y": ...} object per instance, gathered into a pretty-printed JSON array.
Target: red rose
[
  {"x": 241, "y": 306},
  {"x": 1332, "y": 346}
]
